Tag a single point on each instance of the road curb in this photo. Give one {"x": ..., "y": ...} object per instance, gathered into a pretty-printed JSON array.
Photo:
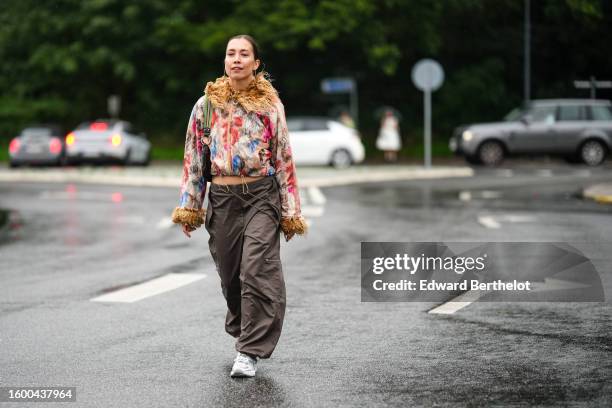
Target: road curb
[
  {"x": 386, "y": 175},
  {"x": 151, "y": 181},
  {"x": 358, "y": 175}
]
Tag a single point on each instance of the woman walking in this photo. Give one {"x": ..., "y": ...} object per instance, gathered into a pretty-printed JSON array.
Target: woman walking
[
  {"x": 388, "y": 136},
  {"x": 253, "y": 197}
]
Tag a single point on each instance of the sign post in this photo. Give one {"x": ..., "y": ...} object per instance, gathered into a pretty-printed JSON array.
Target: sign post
[
  {"x": 593, "y": 84},
  {"x": 113, "y": 103},
  {"x": 428, "y": 76},
  {"x": 343, "y": 85}
]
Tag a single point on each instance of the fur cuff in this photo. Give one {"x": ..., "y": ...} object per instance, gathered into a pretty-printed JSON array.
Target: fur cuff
[
  {"x": 190, "y": 216},
  {"x": 296, "y": 225}
]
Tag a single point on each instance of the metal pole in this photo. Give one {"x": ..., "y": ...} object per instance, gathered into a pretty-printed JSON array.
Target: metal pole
[
  {"x": 593, "y": 87},
  {"x": 427, "y": 110},
  {"x": 527, "y": 59},
  {"x": 354, "y": 105}
]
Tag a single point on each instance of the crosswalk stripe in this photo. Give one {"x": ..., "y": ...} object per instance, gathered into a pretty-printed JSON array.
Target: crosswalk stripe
[
  {"x": 316, "y": 196},
  {"x": 459, "y": 302},
  {"x": 150, "y": 288},
  {"x": 164, "y": 223},
  {"x": 488, "y": 221},
  {"x": 312, "y": 211}
]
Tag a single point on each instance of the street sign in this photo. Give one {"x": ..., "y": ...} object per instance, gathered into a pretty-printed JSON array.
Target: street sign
[
  {"x": 343, "y": 85},
  {"x": 428, "y": 76},
  {"x": 598, "y": 84},
  {"x": 114, "y": 105},
  {"x": 337, "y": 85},
  {"x": 593, "y": 84}
]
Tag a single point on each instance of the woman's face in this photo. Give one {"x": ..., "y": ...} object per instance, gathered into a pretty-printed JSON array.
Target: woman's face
[{"x": 240, "y": 61}]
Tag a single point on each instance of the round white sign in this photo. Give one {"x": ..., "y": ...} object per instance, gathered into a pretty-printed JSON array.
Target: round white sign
[{"x": 427, "y": 75}]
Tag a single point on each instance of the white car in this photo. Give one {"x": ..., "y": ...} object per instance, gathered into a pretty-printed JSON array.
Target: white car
[
  {"x": 107, "y": 140},
  {"x": 319, "y": 140}
]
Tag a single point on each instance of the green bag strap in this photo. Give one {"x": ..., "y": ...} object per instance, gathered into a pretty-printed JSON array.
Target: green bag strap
[{"x": 207, "y": 115}]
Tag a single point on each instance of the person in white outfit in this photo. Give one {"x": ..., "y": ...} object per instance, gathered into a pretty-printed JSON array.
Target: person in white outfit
[{"x": 388, "y": 136}]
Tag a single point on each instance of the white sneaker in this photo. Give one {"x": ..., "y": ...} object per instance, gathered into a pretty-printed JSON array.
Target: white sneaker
[{"x": 244, "y": 366}]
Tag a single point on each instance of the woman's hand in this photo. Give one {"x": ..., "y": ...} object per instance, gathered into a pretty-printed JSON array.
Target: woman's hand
[{"x": 187, "y": 229}]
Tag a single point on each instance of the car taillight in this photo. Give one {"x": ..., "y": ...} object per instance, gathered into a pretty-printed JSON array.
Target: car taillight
[
  {"x": 55, "y": 146},
  {"x": 14, "y": 146},
  {"x": 70, "y": 139},
  {"x": 116, "y": 139},
  {"x": 99, "y": 126}
]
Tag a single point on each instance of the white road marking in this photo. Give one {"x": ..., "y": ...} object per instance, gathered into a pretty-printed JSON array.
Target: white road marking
[
  {"x": 471, "y": 296},
  {"x": 459, "y": 302},
  {"x": 312, "y": 211},
  {"x": 164, "y": 223},
  {"x": 490, "y": 194},
  {"x": 465, "y": 196},
  {"x": 150, "y": 288},
  {"x": 488, "y": 221},
  {"x": 545, "y": 172},
  {"x": 316, "y": 196},
  {"x": 518, "y": 218},
  {"x": 505, "y": 172}
]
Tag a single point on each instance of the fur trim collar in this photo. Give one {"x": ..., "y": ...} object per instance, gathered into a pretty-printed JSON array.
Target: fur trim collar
[{"x": 259, "y": 96}]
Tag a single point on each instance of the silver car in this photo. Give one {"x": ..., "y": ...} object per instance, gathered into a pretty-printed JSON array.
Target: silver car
[
  {"x": 37, "y": 144},
  {"x": 108, "y": 141},
  {"x": 578, "y": 129}
]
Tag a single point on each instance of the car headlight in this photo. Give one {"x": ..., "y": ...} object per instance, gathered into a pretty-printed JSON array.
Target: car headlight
[{"x": 467, "y": 135}]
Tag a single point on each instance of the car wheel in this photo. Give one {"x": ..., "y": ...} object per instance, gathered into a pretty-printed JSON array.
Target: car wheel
[
  {"x": 341, "y": 159},
  {"x": 13, "y": 165},
  {"x": 491, "y": 153},
  {"x": 592, "y": 153}
]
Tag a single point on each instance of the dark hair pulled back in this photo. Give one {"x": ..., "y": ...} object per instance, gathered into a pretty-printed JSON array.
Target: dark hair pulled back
[{"x": 255, "y": 47}]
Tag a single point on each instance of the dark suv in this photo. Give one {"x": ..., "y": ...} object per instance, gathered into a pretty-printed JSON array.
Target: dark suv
[{"x": 578, "y": 129}]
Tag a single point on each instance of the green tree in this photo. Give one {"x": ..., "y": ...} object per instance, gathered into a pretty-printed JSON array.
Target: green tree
[{"x": 61, "y": 59}]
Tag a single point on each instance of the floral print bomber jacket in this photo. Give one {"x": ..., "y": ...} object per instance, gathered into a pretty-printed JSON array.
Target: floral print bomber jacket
[{"x": 248, "y": 137}]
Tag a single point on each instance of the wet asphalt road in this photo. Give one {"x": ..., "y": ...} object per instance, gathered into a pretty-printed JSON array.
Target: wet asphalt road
[{"x": 70, "y": 243}]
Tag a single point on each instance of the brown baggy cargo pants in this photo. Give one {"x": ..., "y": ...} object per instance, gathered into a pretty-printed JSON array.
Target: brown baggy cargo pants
[{"x": 243, "y": 221}]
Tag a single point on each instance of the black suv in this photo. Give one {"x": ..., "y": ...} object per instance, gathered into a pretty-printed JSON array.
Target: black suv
[{"x": 578, "y": 129}]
